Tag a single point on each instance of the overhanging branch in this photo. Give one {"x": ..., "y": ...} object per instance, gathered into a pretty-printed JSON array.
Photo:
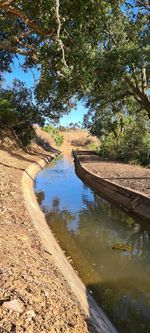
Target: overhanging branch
[
  {"x": 14, "y": 49},
  {"x": 10, "y": 8},
  {"x": 58, "y": 33},
  {"x": 6, "y": 3},
  {"x": 6, "y": 6}
]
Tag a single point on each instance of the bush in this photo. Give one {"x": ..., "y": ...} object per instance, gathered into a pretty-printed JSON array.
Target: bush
[
  {"x": 81, "y": 142},
  {"x": 25, "y": 133},
  {"x": 132, "y": 145},
  {"x": 18, "y": 112},
  {"x": 58, "y": 138}
]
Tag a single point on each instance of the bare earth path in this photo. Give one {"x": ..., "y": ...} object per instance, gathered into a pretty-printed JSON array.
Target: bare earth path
[
  {"x": 134, "y": 177},
  {"x": 34, "y": 297}
]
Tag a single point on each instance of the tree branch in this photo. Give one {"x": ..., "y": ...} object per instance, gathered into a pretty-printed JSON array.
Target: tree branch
[
  {"x": 144, "y": 79},
  {"x": 140, "y": 96},
  {"x": 144, "y": 4},
  {"x": 29, "y": 22},
  {"x": 6, "y": 3},
  {"x": 17, "y": 12},
  {"x": 141, "y": 4},
  {"x": 58, "y": 33},
  {"x": 134, "y": 75},
  {"x": 14, "y": 49}
]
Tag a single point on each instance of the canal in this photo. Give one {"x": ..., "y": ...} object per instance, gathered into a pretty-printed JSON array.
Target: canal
[{"x": 109, "y": 248}]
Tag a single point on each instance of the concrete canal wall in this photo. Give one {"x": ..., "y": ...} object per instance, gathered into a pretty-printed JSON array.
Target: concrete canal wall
[{"x": 133, "y": 201}]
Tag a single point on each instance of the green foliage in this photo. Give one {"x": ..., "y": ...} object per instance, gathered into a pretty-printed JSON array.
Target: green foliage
[
  {"x": 18, "y": 112},
  {"x": 96, "y": 50},
  {"x": 133, "y": 143},
  {"x": 7, "y": 113},
  {"x": 124, "y": 134},
  {"x": 94, "y": 146},
  {"x": 31, "y": 28},
  {"x": 121, "y": 67},
  {"x": 54, "y": 132}
]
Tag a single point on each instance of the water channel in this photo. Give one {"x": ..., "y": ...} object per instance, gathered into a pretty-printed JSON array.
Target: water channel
[{"x": 87, "y": 227}]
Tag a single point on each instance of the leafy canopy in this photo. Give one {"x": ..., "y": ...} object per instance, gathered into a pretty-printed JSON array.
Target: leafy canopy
[
  {"x": 98, "y": 50},
  {"x": 18, "y": 112},
  {"x": 57, "y": 38}
]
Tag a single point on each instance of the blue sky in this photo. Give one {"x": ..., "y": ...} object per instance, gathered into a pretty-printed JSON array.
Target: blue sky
[
  {"x": 29, "y": 77},
  {"x": 74, "y": 116}
]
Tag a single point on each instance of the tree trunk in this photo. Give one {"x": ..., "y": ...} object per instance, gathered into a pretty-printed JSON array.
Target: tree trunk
[{"x": 140, "y": 96}]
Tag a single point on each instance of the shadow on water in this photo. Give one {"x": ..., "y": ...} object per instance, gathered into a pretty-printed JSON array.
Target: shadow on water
[{"x": 87, "y": 228}]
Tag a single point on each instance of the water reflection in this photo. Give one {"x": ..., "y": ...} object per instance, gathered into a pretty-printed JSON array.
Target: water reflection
[{"x": 87, "y": 227}]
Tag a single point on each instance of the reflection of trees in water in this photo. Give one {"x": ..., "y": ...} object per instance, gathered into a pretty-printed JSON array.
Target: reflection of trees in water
[
  {"x": 106, "y": 223},
  {"x": 113, "y": 219},
  {"x": 140, "y": 242},
  {"x": 61, "y": 215},
  {"x": 121, "y": 298},
  {"x": 126, "y": 309},
  {"x": 59, "y": 220}
]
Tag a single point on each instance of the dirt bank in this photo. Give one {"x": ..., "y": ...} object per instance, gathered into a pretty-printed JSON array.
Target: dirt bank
[
  {"x": 73, "y": 139},
  {"x": 34, "y": 296}
]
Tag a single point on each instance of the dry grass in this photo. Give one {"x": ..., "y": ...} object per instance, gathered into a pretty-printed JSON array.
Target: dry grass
[{"x": 78, "y": 138}]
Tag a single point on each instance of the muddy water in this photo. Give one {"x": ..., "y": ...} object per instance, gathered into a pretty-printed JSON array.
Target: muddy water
[{"x": 87, "y": 227}]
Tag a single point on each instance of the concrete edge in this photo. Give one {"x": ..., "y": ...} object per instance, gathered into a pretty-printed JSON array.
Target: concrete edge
[
  {"x": 133, "y": 201},
  {"x": 97, "y": 317}
]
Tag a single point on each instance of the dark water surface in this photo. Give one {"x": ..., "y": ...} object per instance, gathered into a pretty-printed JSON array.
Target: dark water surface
[{"x": 87, "y": 226}]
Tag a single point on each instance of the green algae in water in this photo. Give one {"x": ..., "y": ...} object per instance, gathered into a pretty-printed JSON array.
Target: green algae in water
[{"x": 122, "y": 247}]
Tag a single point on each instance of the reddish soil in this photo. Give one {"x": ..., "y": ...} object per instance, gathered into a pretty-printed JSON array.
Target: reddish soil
[
  {"x": 134, "y": 177},
  {"x": 34, "y": 296}
]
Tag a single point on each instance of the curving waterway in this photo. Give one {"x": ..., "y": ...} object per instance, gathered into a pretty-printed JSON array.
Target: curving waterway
[{"x": 87, "y": 227}]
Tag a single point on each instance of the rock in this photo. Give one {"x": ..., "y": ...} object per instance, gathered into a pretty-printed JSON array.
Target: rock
[
  {"x": 122, "y": 247},
  {"x": 30, "y": 314},
  {"x": 13, "y": 305}
]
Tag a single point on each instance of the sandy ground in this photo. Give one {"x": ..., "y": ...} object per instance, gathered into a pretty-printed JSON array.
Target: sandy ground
[
  {"x": 34, "y": 296},
  {"x": 134, "y": 177}
]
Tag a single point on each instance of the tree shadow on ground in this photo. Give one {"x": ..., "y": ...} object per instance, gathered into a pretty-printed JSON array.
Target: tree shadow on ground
[
  {"x": 26, "y": 152},
  {"x": 44, "y": 144}
]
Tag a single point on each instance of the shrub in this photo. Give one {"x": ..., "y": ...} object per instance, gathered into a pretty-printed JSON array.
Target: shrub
[
  {"x": 58, "y": 138},
  {"x": 18, "y": 112},
  {"x": 132, "y": 144}
]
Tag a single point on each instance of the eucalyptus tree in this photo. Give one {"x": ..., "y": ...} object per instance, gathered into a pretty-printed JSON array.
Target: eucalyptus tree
[
  {"x": 59, "y": 39},
  {"x": 121, "y": 65},
  {"x": 93, "y": 49}
]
